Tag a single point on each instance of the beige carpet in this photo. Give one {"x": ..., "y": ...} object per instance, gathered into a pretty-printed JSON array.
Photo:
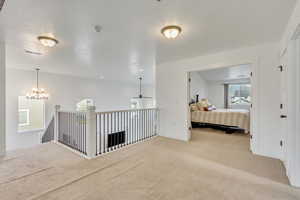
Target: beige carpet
[{"x": 212, "y": 166}]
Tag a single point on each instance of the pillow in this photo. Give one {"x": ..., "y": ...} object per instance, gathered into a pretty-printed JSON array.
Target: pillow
[
  {"x": 204, "y": 105},
  {"x": 211, "y": 108},
  {"x": 199, "y": 106},
  {"x": 194, "y": 107}
]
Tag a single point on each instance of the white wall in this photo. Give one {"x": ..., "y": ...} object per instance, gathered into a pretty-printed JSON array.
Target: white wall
[
  {"x": 65, "y": 91},
  {"x": 291, "y": 27},
  {"x": 215, "y": 94},
  {"x": 172, "y": 93},
  {"x": 198, "y": 86},
  {"x": 2, "y": 98}
]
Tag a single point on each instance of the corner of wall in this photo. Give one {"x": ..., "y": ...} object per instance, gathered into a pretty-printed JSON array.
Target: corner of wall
[{"x": 2, "y": 100}]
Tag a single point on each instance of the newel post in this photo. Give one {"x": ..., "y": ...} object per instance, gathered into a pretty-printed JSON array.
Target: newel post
[
  {"x": 56, "y": 122},
  {"x": 91, "y": 132}
]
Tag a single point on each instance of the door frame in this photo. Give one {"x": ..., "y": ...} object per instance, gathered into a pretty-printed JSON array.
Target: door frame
[
  {"x": 291, "y": 138},
  {"x": 254, "y": 117}
]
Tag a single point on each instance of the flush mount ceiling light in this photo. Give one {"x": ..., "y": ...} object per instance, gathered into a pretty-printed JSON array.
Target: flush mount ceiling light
[
  {"x": 48, "y": 41},
  {"x": 171, "y": 32}
]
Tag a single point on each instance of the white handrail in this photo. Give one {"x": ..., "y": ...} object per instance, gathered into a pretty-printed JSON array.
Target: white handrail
[
  {"x": 105, "y": 130},
  {"x": 106, "y": 112},
  {"x": 71, "y": 111},
  {"x": 113, "y": 111}
]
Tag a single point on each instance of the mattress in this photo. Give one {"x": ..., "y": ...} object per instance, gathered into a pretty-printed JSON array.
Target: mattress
[{"x": 228, "y": 117}]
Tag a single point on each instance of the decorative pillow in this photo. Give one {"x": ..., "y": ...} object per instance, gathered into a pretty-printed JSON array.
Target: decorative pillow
[
  {"x": 211, "y": 108},
  {"x": 204, "y": 105},
  {"x": 194, "y": 107},
  {"x": 199, "y": 106}
]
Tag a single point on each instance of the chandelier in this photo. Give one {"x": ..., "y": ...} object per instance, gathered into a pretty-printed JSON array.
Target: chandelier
[{"x": 37, "y": 93}]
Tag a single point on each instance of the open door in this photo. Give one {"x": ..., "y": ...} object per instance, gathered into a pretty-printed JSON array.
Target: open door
[
  {"x": 253, "y": 77},
  {"x": 283, "y": 107},
  {"x": 189, "y": 125}
]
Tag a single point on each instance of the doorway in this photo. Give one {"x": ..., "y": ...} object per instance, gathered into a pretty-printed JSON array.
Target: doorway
[{"x": 223, "y": 100}]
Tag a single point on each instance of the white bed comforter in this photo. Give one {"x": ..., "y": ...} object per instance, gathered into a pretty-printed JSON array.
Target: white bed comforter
[{"x": 229, "y": 117}]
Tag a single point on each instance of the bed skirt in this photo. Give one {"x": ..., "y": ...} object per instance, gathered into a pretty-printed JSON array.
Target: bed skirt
[{"x": 227, "y": 117}]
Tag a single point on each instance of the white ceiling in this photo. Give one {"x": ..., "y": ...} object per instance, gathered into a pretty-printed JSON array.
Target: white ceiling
[
  {"x": 239, "y": 72},
  {"x": 130, "y": 40}
]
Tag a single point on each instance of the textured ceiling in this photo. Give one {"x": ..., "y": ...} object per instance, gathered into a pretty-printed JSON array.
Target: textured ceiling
[
  {"x": 226, "y": 73},
  {"x": 130, "y": 43}
]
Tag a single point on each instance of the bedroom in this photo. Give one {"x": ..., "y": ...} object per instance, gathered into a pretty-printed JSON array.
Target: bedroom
[{"x": 220, "y": 101}]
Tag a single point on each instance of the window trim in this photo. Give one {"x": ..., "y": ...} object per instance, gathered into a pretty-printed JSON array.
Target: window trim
[
  {"x": 226, "y": 92},
  {"x": 44, "y": 120}
]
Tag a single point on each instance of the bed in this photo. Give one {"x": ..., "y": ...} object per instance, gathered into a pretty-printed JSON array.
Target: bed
[{"x": 225, "y": 117}]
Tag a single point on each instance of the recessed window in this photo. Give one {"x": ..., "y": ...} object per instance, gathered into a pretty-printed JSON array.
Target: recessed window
[
  {"x": 238, "y": 96},
  {"x": 30, "y": 115}
]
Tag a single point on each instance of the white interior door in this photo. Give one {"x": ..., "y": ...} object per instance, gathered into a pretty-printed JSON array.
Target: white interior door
[
  {"x": 253, "y": 108},
  {"x": 189, "y": 87},
  {"x": 189, "y": 125},
  {"x": 283, "y": 106}
]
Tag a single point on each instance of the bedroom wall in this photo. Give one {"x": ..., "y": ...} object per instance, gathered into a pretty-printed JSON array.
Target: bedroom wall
[
  {"x": 2, "y": 98},
  {"x": 65, "y": 91},
  {"x": 198, "y": 86},
  {"x": 174, "y": 114},
  {"x": 215, "y": 94}
]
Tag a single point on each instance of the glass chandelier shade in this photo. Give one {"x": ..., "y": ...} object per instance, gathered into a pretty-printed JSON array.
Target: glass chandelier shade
[{"x": 37, "y": 93}]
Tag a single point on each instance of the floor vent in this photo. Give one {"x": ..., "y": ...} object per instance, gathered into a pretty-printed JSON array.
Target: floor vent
[{"x": 116, "y": 139}]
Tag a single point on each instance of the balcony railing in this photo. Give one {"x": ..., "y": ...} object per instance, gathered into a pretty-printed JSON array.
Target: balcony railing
[
  {"x": 117, "y": 129},
  {"x": 93, "y": 133},
  {"x": 72, "y": 130}
]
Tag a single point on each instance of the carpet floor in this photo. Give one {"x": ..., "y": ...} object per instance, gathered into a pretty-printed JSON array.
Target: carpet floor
[{"x": 212, "y": 166}]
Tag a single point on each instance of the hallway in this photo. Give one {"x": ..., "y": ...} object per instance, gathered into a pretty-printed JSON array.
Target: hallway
[{"x": 212, "y": 166}]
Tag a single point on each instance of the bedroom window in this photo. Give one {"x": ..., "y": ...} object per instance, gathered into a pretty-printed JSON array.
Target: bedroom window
[
  {"x": 30, "y": 115},
  {"x": 238, "y": 96}
]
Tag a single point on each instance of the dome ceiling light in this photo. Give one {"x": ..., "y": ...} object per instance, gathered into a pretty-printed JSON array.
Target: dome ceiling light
[
  {"x": 171, "y": 32},
  {"x": 48, "y": 41}
]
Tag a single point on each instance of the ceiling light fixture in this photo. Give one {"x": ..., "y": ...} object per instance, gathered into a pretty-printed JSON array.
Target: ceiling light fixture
[
  {"x": 48, "y": 41},
  {"x": 37, "y": 93},
  {"x": 171, "y": 32}
]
